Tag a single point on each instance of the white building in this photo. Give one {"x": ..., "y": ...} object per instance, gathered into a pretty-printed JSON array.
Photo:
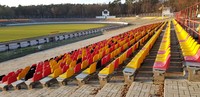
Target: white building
[
  {"x": 166, "y": 11},
  {"x": 105, "y": 14}
]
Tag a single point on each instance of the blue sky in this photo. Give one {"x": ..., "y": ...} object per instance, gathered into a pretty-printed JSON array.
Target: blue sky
[{"x": 37, "y": 2}]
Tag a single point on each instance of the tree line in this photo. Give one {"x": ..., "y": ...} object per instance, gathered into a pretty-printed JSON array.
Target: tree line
[{"x": 91, "y": 10}]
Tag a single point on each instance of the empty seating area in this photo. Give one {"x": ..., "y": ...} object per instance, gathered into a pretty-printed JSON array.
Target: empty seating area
[
  {"x": 190, "y": 51},
  {"x": 86, "y": 60},
  {"x": 143, "y": 54},
  {"x": 135, "y": 63},
  {"x": 189, "y": 47}
]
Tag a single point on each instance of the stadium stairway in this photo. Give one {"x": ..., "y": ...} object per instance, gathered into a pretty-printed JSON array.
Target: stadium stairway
[
  {"x": 145, "y": 73},
  {"x": 176, "y": 61}
]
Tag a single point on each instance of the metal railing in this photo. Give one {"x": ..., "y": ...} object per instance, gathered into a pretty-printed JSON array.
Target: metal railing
[{"x": 190, "y": 20}]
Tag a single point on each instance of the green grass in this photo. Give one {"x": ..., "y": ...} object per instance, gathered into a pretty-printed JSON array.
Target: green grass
[{"x": 21, "y": 32}]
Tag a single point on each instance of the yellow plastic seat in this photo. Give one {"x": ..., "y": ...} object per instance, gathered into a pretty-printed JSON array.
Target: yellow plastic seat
[
  {"x": 135, "y": 63},
  {"x": 96, "y": 57},
  {"x": 72, "y": 64},
  {"x": 107, "y": 70},
  {"x": 112, "y": 55},
  {"x": 54, "y": 68},
  {"x": 84, "y": 64},
  {"x": 125, "y": 46},
  {"x": 91, "y": 69},
  {"x": 68, "y": 61},
  {"x": 68, "y": 73},
  {"x": 107, "y": 51},
  {"x": 56, "y": 73},
  {"x": 23, "y": 73},
  {"x": 122, "y": 58},
  {"x": 52, "y": 63},
  {"x": 100, "y": 54}
]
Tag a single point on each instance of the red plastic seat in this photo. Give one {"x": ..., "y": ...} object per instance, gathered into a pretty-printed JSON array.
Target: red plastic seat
[
  {"x": 5, "y": 78},
  {"x": 77, "y": 68},
  {"x": 162, "y": 65},
  {"x": 90, "y": 60},
  {"x": 104, "y": 60},
  {"x": 129, "y": 52},
  {"x": 116, "y": 63},
  {"x": 62, "y": 64},
  {"x": 37, "y": 76},
  {"x": 46, "y": 72},
  {"x": 18, "y": 71},
  {"x": 11, "y": 79},
  {"x": 195, "y": 58},
  {"x": 65, "y": 68}
]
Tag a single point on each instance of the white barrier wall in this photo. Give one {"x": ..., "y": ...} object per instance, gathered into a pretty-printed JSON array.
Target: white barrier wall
[
  {"x": 47, "y": 40},
  {"x": 61, "y": 37},
  {"x": 71, "y": 35},
  {"x": 24, "y": 44},
  {"x": 56, "y": 38},
  {"x": 80, "y": 34},
  {"x": 87, "y": 33},
  {"x": 75, "y": 34},
  {"x": 13, "y": 46},
  {"x": 67, "y": 36},
  {"x": 41, "y": 41},
  {"x": 3, "y": 48},
  {"x": 33, "y": 42}
]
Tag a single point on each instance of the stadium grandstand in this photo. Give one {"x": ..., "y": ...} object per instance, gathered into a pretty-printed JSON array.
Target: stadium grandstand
[{"x": 145, "y": 55}]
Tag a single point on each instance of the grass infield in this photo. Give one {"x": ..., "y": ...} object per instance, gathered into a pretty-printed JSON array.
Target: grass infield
[{"x": 29, "y": 31}]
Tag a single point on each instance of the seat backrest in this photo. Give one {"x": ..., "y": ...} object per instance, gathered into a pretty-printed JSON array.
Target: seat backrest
[
  {"x": 77, "y": 68},
  {"x": 69, "y": 72},
  {"x": 107, "y": 50},
  {"x": 57, "y": 72},
  {"x": 52, "y": 62},
  {"x": 111, "y": 68},
  {"x": 96, "y": 57},
  {"x": 116, "y": 63},
  {"x": 68, "y": 61},
  {"x": 62, "y": 64},
  {"x": 11, "y": 79},
  {"x": 37, "y": 76},
  {"x": 104, "y": 60},
  {"x": 30, "y": 73},
  {"x": 84, "y": 64},
  {"x": 72, "y": 64},
  {"x": 129, "y": 52},
  {"x": 108, "y": 57},
  {"x": 54, "y": 68},
  {"x": 46, "y": 72},
  {"x": 92, "y": 68},
  {"x": 65, "y": 67},
  {"x": 90, "y": 60}
]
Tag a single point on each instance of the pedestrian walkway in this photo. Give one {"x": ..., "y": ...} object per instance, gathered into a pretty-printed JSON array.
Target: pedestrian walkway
[{"x": 181, "y": 88}]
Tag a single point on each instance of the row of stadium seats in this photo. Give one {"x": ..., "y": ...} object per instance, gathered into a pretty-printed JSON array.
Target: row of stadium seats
[
  {"x": 105, "y": 73},
  {"x": 106, "y": 59},
  {"x": 69, "y": 64},
  {"x": 190, "y": 48},
  {"x": 163, "y": 56},
  {"x": 136, "y": 62}
]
